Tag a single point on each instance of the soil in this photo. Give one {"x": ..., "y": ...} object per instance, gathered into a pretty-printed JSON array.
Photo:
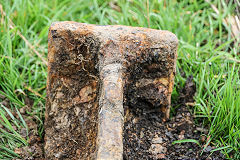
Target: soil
[
  {"x": 34, "y": 150},
  {"x": 147, "y": 135}
]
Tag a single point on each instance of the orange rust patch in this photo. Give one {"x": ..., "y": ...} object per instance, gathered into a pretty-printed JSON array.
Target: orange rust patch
[
  {"x": 113, "y": 90},
  {"x": 88, "y": 93},
  {"x": 171, "y": 79},
  {"x": 163, "y": 81}
]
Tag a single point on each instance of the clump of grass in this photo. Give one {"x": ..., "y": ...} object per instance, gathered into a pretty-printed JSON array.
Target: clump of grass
[
  {"x": 9, "y": 135},
  {"x": 220, "y": 103},
  {"x": 206, "y": 51}
]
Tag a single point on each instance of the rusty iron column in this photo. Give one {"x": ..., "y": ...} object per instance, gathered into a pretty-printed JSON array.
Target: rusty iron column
[
  {"x": 110, "y": 125},
  {"x": 110, "y": 143},
  {"x": 93, "y": 72}
]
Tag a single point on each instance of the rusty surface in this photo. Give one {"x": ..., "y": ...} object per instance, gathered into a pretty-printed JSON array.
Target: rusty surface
[
  {"x": 109, "y": 143},
  {"x": 93, "y": 72}
]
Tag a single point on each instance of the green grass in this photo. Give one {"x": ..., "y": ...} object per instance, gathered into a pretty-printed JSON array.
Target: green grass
[{"x": 206, "y": 51}]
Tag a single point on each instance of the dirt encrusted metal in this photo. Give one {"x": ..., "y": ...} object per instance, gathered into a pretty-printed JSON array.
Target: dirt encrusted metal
[{"x": 93, "y": 72}]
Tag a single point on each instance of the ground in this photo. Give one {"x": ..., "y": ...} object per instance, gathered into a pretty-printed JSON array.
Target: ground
[
  {"x": 148, "y": 136},
  {"x": 208, "y": 57}
]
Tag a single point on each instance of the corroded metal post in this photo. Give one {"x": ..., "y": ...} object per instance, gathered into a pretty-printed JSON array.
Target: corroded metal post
[
  {"x": 110, "y": 144},
  {"x": 93, "y": 71}
]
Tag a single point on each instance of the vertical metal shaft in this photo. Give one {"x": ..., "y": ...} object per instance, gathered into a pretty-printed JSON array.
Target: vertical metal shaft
[{"x": 109, "y": 140}]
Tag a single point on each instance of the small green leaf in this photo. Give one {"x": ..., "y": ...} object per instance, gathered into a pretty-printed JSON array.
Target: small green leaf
[{"x": 187, "y": 141}]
